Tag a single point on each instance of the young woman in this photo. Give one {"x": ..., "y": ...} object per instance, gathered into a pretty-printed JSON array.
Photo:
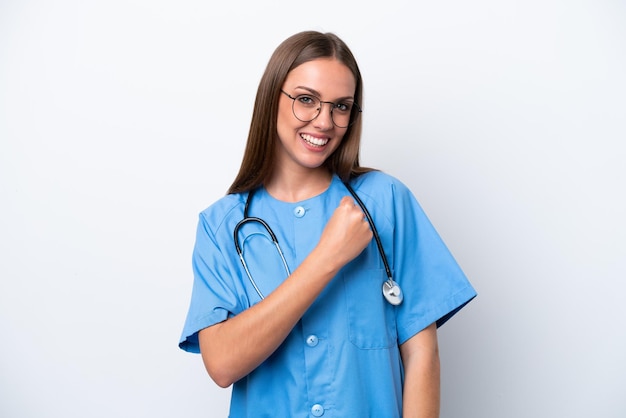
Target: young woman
[{"x": 332, "y": 308}]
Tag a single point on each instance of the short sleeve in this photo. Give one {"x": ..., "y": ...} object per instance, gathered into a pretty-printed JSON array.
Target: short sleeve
[
  {"x": 213, "y": 296},
  {"x": 434, "y": 286}
]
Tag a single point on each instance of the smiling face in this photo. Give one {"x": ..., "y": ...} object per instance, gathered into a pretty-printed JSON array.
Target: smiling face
[{"x": 307, "y": 145}]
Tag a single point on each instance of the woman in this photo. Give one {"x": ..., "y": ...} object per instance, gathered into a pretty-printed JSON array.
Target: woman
[{"x": 302, "y": 328}]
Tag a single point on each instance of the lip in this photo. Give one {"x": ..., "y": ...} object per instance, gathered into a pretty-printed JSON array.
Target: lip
[{"x": 315, "y": 141}]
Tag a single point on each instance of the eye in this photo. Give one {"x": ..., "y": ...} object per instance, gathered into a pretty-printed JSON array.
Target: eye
[
  {"x": 307, "y": 100},
  {"x": 344, "y": 107}
]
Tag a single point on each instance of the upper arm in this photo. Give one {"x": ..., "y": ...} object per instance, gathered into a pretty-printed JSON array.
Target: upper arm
[
  {"x": 420, "y": 358},
  {"x": 424, "y": 343}
]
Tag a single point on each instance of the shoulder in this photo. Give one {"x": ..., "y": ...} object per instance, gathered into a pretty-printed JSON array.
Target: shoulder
[
  {"x": 380, "y": 185},
  {"x": 223, "y": 210},
  {"x": 387, "y": 196}
]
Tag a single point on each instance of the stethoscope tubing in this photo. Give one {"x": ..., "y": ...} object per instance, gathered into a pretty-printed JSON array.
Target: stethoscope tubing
[
  {"x": 390, "y": 287},
  {"x": 249, "y": 219},
  {"x": 379, "y": 244}
]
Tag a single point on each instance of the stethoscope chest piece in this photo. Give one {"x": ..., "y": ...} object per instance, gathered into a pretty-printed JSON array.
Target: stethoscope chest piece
[{"x": 392, "y": 292}]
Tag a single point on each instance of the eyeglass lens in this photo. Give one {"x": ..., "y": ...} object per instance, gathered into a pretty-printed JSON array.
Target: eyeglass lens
[{"x": 306, "y": 108}]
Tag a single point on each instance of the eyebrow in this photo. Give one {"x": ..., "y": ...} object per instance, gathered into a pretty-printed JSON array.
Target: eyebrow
[{"x": 317, "y": 93}]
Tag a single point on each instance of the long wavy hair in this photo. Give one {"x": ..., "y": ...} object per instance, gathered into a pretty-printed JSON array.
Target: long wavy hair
[{"x": 259, "y": 155}]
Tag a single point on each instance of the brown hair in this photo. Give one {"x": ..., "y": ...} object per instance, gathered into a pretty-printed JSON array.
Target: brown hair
[{"x": 258, "y": 159}]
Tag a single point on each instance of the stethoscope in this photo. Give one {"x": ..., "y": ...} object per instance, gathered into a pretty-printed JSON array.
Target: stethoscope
[{"x": 391, "y": 289}]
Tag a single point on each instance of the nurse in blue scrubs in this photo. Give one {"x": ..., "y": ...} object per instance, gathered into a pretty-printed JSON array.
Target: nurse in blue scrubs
[{"x": 301, "y": 327}]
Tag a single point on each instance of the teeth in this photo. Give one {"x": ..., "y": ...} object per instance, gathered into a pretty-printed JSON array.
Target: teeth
[{"x": 314, "y": 141}]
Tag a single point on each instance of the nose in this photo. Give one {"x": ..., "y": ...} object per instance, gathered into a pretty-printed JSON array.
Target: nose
[{"x": 324, "y": 119}]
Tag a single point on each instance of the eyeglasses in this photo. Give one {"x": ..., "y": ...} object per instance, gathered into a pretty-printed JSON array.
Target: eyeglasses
[{"x": 307, "y": 107}]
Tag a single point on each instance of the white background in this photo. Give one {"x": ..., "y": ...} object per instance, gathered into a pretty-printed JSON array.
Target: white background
[{"x": 121, "y": 120}]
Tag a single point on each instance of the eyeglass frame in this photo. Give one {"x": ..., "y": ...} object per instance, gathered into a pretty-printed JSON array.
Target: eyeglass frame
[{"x": 333, "y": 105}]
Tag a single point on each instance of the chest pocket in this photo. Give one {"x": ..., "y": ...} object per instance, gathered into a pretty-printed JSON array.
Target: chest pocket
[{"x": 371, "y": 318}]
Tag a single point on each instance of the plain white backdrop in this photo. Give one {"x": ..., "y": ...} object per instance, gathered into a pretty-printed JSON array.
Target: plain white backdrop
[{"x": 121, "y": 120}]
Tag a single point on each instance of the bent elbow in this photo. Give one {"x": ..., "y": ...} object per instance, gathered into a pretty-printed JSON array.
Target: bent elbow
[
  {"x": 221, "y": 378},
  {"x": 221, "y": 374},
  {"x": 219, "y": 361},
  {"x": 223, "y": 383}
]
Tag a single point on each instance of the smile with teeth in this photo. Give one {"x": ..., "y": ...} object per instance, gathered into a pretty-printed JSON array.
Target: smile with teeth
[{"x": 317, "y": 142}]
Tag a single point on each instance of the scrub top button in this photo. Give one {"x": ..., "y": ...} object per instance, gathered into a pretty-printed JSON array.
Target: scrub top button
[
  {"x": 299, "y": 212},
  {"x": 317, "y": 410},
  {"x": 312, "y": 340}
]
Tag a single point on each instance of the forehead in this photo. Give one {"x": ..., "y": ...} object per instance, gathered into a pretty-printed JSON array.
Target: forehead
[{"x": 327, "y": 76}]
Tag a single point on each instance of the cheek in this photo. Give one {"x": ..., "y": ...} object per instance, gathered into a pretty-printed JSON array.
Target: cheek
[
  {"x": 285, "y": 115},
  {"x": 287, "y": 122},
  {"x": 337, "y": 142}
]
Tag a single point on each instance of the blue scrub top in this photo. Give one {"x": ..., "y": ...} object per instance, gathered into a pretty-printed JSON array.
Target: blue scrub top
[{"x": 342, "y": 359}]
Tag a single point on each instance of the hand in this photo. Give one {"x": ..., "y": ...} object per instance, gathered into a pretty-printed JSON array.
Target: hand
[{"x": 346, "y": 234}]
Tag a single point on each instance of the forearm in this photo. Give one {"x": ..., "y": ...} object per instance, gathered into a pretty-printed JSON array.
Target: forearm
[{"x": 235, "y": 347}]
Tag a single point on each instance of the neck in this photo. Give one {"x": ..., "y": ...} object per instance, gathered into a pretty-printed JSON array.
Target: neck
[{"x": 295, "y": 187}]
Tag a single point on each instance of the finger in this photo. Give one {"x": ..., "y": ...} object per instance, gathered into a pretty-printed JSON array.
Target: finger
[{"x": 347, "y": 200}]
